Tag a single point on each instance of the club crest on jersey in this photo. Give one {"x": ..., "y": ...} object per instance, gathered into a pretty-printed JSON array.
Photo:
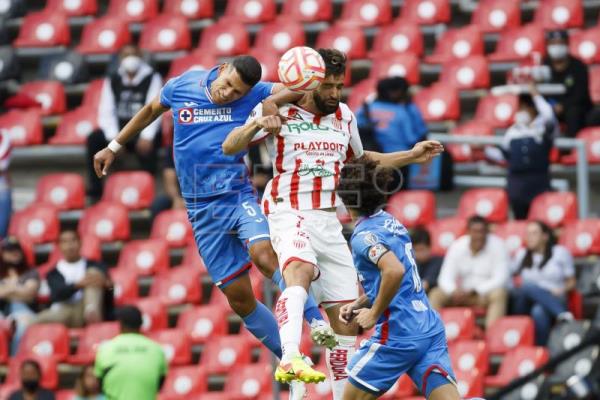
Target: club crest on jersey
[
  {"x": 371, "y": 239},
  {"x": 185, "y": 115}
]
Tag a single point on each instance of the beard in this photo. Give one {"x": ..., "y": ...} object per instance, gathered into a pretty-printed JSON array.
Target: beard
[{"x": 322, "y": 106}]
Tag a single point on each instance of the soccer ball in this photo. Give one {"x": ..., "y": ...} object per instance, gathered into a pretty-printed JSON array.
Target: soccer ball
[{"x": 301, "y": 69}]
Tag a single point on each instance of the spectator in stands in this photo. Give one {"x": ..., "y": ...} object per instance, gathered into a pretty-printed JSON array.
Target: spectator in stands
[
  {"x": 5, "y": 192},
  {"x": 31, "y": 375},
  {"x": 572, "y": 107},
  {"x": 130, "y": 366},
  {"x": 87, "y": 386},
  {"x": 18, "y": 289},
  {"x": 475, "y": 272},
  {"x": 79, "y": 289},
  {"x": 543, "y": 275},
  {"x": 428, "y": 265},
  {"x": 171, "y": 199},
  {"x": 124, "y": 93}
]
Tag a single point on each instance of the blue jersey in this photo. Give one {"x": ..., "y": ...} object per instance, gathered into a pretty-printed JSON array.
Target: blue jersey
[
  {"x": 409, "y": 315},
  {"x": 200, "y": 127}
]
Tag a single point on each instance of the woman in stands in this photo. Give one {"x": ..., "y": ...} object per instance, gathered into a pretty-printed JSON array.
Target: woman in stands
[
  {"x": 88, "y": 386},
  {"x": 543, "y": 275},
  {"x": 18, "y": 288}
]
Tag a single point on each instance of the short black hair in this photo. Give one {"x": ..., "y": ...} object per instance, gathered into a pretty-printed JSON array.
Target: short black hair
[
  {"x": 130, "y": 317},
  {"x": 420, "y": 235},
  {"x": 363, "y": 185},
  {"x": 477, "y": 219},
  {"x": 391, "y": 84},
  {"x": 34, "y": 364},
  {"x": 73, "y": 231},
  {"x": 335, "y": 61},
  {"x": 525, "y": 99},
  {"x": 248, "y": 68}
]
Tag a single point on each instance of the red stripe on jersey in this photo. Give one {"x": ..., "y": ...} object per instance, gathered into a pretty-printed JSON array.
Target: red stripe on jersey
[
  {"x": 317, "y": 119},
  {"x": 266, "y": 207},
  {"x": 336, "y": 179},
  {"x": 278, "y": 167},
  {"x": 294, "y": 185},
  {"x": 338, "y": 113},
  {"x": 316, "y": 194},
  {"x": 350, "y": 152},
  {"x": 385, "y": 327}
]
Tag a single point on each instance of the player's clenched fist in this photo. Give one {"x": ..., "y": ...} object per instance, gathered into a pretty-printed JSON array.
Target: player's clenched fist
[
  {"x": 365, "y": 318},
  {"x": 271, "y": 123},
  {"x": 347, "y": 312},
  {"x": 102, "y": 161}
]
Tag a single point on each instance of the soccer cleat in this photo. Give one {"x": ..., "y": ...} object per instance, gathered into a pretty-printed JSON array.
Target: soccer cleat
[
  {"x": 296, "y": 368},
  {"x": 322, "y": 334}
]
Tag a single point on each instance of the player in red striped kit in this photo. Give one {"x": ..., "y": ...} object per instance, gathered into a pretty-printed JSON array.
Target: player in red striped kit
[{"x": 318, "y": 136}]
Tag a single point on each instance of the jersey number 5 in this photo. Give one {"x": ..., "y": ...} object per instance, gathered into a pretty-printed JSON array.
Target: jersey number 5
[{"x": 418, "y": 286}]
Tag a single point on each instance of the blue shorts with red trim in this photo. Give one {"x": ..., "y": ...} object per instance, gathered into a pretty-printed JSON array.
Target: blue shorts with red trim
[
  {"x": 225, "y": 227},
  {"x": 376, "y": 367}
]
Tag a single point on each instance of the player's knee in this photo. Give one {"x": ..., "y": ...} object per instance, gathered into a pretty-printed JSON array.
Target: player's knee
[
  {"x": 264, "y": 258},
  {"x": 242, "y": 305},
  {"x": 299, "y": 273},
  {"x": 240, "y": 296}
]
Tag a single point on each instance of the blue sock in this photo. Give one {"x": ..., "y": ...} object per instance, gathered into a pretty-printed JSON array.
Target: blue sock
[
  {"x": 262, "y": 324},
  {"x": 311, "y": 310}
]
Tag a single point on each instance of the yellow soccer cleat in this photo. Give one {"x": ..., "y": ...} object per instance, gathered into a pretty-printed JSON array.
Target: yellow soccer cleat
[{"x": 297, "y": 369}]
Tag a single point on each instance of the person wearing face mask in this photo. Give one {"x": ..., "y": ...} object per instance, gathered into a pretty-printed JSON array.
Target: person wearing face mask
[
  {"x": 31, "y": 374},
  {"x": 574, "y": 105},
  {"x": 124, "y": 93}
]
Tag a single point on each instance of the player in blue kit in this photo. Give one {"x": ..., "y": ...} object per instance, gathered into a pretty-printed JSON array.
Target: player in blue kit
[
  {"x": 221, "y": 203},
  {"x": 409, "y": 335}
]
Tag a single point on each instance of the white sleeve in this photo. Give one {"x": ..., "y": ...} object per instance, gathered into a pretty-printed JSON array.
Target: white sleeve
[
  {"x": 5, "y": 149},
  {"x": 154, "y": 90},
  {"x": 355, "y": 142},
  {"x": 256, "y": 113},
  {"x": 566, "y": 261},
  {"x": 544, "y": 108},
  {"x": 107, "y": 115},
  {"x": 500, "y": 275},
  {"x": 449, "y": 271}
]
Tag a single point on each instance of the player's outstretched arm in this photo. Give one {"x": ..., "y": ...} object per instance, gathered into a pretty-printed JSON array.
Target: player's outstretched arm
[
  {"x": 239, "y": 139},
  {"x": 421, "y": 153},
  {"x": 147, "y": 114}
]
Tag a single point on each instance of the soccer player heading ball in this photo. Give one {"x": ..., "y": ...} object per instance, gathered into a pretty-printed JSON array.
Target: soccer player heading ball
[{"x": 313, "y": 138}]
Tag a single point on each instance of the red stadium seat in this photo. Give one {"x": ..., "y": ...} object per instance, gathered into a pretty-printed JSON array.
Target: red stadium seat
[
  {"x": 513, "y": 233},
  {"x": 345, "y": 38},
  {"x": 226, "y": 352},
  {"x": 178, "y": 286},
  {"x": 554, "y": 208},
  {"x": 459, "y": 323},
  {"x": 126, "y": 289},
  {"x": 65, "y": 394},
  {"x": 412, "y": 207},
  {"x": 363, "y": 91},
  {"x": 457, "y": 43},
  {"x": 251, "y": 11},
  {"x": 405, "y": 65},
  {"x": 23, "y": 126},
  {"x": 279, "y": 36},
  {"x": 559, "y": 14},
  {"x": 49, "y": 371},
  {"x": 445, "y": 231},
  {"x": 154, "y": 314},
  {"x": 176, "y": 344},
  {"x": 516, "y": 363},
  {"x": 192, "y": 9},
  {"x": 464, "y": 152},
  {"x": 133, "y": 189},
  {"x": 320, "y": 391},
  {"x": 468, "y": 73},
  {"x": 172, "y": 226},
  {"x": 225, "y": 38},
  {"x": 497, "y": 15},
  {"x": 426, "y": 12},
  {"x": 184, "y": 382},
  {"x": 75, "y": 126},
  {"x": 585, "y": 45},
  {"x": 366, "y": 13},
  {"x": 308, "y": 10},
  {"x": 196, "y": 60},
  {"x": 133, "y": 10},
  {"x": 107, "y": 221},
  {"x": 469, "y": 354},
  {"x": 516, "y": 44},
  {"x": 166, "y": 33},
  {"x": 203, "y": 323},
  {"x": 192, "y": 259},
  {"x": 93, "y": 336},
  {"x": 105, "y": 35},
  {"x": 36, "y": 224},
  {"x": 508, "y": 333},
  {"x": 582, "y": 237},
  {"x": 400, "y": 37},
  {"x": 249, "y": 382},
  {"x": 65, "y": 191},
  {"x": 45, "y": 340},
  {"x": 594, "y": 74},
  {"x": 44, "y": 29},
  {"x": 49, "y": 94},
  {"x": 438, "y": 102},
  {"x": 269, "y": 62},
  {"x": 403, "y": 387},
  {"x": 470, "y": 383},
  {"x": 498, "y": 111},
  {"x": 146, "y": 257},
  {"x": 73, "y": 8},
  {"x": 4, "y": 345},
  {"x": 492, "y": 204},
  {"x": 91, "y": 100}
]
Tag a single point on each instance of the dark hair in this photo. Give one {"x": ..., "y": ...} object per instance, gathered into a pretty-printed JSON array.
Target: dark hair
[
  {"x": 130, "y": 318},
  {"x": 73, "y": 231},
  {"x": 528, "y": 259},
  {"x": 477, "y": 219},
  {"x": 11, "y": 243},
  {"x": 34, "y": 364},
  {"x": 363, "y": 185},
  {"x": 420, "y": 235},
  {"x": 335, "y": 61},
  {"x": 525, "y": 99},
  {"x": 391, "y": 84},
  {"x": 248, "y": 68}
]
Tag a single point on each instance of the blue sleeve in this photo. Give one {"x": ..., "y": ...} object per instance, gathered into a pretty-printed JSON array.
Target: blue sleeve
[
  {"x": 166, "y": 93},
  {"x": 420, "y": 128},
  {"x": 263, "y": 90}
]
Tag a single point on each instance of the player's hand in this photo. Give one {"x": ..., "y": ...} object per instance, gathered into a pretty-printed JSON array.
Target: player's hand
[
  {"x": 271, "y": 123},
  {"x": 424, "y": 151},
  {"x": 347, "y": 312},
  {"x": 144, "y": 146},
  {"x": 365, "y": 318},
  {"x": 102, "y": 161},
  {"x": 269, "y": 108}
]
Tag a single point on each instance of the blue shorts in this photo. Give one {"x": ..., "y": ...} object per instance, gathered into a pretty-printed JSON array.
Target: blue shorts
[
  {"x": 376, "y": 367},
  {"x": 225, "y": 227}
]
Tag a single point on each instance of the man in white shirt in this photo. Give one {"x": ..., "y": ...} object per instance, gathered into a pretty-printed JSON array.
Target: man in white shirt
[{"x": 475, "y": 272}]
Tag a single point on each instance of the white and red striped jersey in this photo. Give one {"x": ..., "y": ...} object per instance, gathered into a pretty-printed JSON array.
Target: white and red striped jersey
[
  {"x": 309, "y": 154},
  {"x": 5, "y": 149}
]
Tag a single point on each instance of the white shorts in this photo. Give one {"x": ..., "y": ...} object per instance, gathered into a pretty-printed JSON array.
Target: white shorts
[{"x": 315, "y": 237}]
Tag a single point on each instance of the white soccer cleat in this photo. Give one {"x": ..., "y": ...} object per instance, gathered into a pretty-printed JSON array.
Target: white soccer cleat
[{"x": 322, "y": 334}]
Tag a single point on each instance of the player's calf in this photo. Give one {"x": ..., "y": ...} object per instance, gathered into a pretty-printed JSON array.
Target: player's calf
[{"x": 447, "y": 391}]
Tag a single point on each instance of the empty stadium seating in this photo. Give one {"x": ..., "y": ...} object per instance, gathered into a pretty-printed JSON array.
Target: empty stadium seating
[
  {"x": 492, "y": 204},
  {"x": 367, "y": 13},
  {"x": 145, "y": 257},
  {"x": 166, "y": 33},
  {"x": 405, "y": 65},
  {"x": 279, "y": 36},
  {"x": 426, "y": 12},
  {"x": 555, "y": 209},
  {"x": 45, "y": 341},
  {"x": 184, "y": 381},
  {"x": 133, "y": 10},
  {"x": 73, "y": 8},
  {"x": 582, "y": 237},
  {"x": 467, "y": 355},
  {"x": 192, "y": 9},
  {"x": 518, "y": 43},
  {"x": 64, "y": 191},
  {"x": 134, "y": 190},
  {"x": 176, "y": 345},
  {"x": 412, "y": 207},
  {"x": 459, "y": 323},
  {"x": 308, "y": 10},
  {"x": 508, "y": 333},
  {"x": 104, "y": 35},
  {"x": 23, "y": 126},
  {"x": 126, "y": 290},
  {"x": 465, "y": 152},
  {"x": 400, "y": 37},
  {"x": 345, "y": 38},
  {"x": 172, "y": 226},
  {"x": 471, "y": 72},
  {"x": 43, "y": 29},
  {"x": 518, "y": 362},
  {"x": 496, "y": 15},
  {"x": 203, "y": 322},
  {"x": 108, "y": 221},
  {"x": 178, "y": 286},
  {"x": 90, "y": 340},
  {"x": 438, "y": 102},
  {"x": 154, "y": 314},
  {"x": 36, "y": 224},
  {"x": 223, "y": 353},
  {"x": 445, "y": 231},
  {"x": 585, "y": 45},
  {"x": 457, "y": 44},
  {"x": 225, "y": 38}
]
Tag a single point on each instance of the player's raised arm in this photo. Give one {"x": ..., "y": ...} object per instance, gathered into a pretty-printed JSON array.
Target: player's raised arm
[
  {"x": 144, "y": 117},
  {"x": 421, "y": 153},
  {"x": 240, "y": 138}
]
